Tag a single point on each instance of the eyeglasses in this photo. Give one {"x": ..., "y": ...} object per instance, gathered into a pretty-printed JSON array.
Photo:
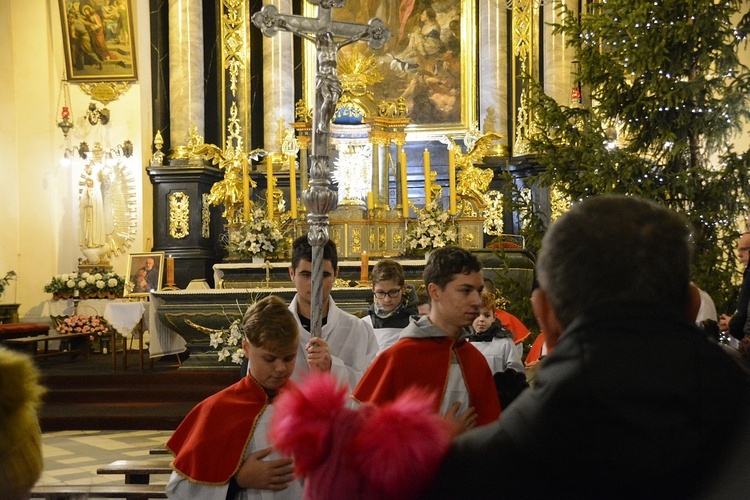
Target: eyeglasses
[{"x": 391, "y": 293}]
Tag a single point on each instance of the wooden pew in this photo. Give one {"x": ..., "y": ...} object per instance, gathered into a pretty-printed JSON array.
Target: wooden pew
[
  {"x": 137, "y": 471},
  {"x": 84, "y": 491},
  {"x": 24, "y": 343}
]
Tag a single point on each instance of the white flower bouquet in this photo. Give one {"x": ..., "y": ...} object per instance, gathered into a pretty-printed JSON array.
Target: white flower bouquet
[
  {"x": 258, "y": 237},
  {"x": 434, "y": 228},
  {"x": 94, "y": 284},
  {"x": 229, "y": 342}
]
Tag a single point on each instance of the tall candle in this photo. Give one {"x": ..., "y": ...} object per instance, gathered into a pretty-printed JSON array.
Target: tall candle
[
  {"x": 452, "y": 180},
  {"x": 170, "y": 270},
  {"x": 293, "y": 186},
  {"x": 426, "y": 157},
  {"x": 245, "y": 189},
  {"x": 404, "y": 186},
  {"x": 269, "y": 182},
  {"x": 364, "y": 270}
]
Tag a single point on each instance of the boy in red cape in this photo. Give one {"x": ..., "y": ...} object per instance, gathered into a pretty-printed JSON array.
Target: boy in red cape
[
  {"x": 432, "y": 352},
  {"x": 221, "y": 449}
]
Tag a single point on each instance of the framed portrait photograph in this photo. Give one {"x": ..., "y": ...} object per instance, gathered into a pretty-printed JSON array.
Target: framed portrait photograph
[
  {"x": 430, "y": 61},
  {"x": 144, "y": 274},
  {"x": 98, "y": 40}
]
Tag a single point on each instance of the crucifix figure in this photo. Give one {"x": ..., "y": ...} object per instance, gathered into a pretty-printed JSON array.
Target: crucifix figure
[{"x": 329, "y": 36}]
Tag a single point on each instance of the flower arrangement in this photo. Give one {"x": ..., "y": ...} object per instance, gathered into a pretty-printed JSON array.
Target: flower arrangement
[
  {"x": 81, "y": 323},
  {"x": 258, "y": 237},
  {"x": 11, "y": 275},
  {"x": 434, "y": 228},
  {"x": 229, "y": 342},
  {"x": 493, "y": 213},
  {"x": 93, "y": 284}
]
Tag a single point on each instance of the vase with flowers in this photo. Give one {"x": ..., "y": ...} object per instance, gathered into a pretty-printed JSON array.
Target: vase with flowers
[
  {"x": 258, "y": 238},
  {"x": 433, "y": 229},
  {"x": 88, "y": 285}
]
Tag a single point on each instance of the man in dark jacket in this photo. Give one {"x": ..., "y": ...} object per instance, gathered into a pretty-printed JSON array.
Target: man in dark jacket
[
  {"x": 634, "y": 401},
  {"x": 737, "y": 323}
]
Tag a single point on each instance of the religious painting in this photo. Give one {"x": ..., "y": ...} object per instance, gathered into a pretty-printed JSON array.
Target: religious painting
[
  {"x": 430, "y": 60},
  {"x": 99, "y": 40},
  {"x": 144, "y": 274}
]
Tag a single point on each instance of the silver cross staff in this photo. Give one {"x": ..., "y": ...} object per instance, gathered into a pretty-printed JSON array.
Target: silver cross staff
[{"x": 329, "y": 36}]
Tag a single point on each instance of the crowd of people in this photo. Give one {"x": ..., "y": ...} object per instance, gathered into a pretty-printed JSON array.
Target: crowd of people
[{"x": 630, "y": 398}]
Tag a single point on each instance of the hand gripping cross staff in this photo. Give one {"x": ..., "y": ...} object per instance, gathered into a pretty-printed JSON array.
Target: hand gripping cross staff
[{"x": 329, "y": 36}]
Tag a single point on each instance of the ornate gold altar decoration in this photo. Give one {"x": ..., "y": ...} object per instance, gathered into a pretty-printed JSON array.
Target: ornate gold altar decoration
[
  {"x": 105, "y": 92},
  {"x": 232, "y": 159},
  {"x": 179, "y": 215},
  {"x": 523, "y": 50},
  {"x": 559, "y": 203},
  {"x": 472, "y": 182},
  {"x": 206, "y": 215}
]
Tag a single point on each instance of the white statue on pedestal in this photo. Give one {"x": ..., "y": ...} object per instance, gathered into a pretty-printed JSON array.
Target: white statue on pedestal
[{"x": 91, "y": 231}]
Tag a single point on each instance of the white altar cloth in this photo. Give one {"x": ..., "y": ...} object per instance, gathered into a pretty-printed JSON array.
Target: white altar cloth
[{"x": 124, "y": 316}]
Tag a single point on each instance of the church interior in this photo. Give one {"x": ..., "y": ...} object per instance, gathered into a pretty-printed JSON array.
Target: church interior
[{"x": 163, "y": 156}]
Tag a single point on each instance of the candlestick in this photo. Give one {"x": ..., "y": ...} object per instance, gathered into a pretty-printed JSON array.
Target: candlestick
[
  {"x": 293, "y": 186},
  {"x": 170, "y": 271},
  {"x": 269, "y": 182},
  {"x": 404, "y": 186},
  {"x": 364, "y": 269},
  {"x": 426, "y": 157},
  {"x": 370, "y": 204},
  {"x": 245, "y": 190},
  {"x": 452, "y": 181}
]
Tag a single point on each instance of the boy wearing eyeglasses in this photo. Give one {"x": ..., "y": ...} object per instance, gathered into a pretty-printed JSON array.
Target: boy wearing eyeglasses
[{"x": 394, "y": 302}]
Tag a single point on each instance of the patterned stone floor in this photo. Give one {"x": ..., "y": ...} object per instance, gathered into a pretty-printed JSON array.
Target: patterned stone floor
[{"x": 72, "y": 457}]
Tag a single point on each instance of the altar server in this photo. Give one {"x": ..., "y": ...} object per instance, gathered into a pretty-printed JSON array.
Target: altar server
[
  {"x": 221, "y": 449},
  {"x": 433, "y": 352},
  {"x": 394, "y": 302},
  {"x": 346, "y": 345}
]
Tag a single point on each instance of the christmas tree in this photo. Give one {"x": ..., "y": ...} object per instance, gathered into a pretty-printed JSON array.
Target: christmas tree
[{"x": 667, "y": 96}]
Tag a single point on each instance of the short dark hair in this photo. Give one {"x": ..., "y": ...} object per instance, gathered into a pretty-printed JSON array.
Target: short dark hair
[
  {"x": 269, "y": 322},
  {"x": 387, "y": 270},
  {"x": 444, "y": 263},
  {"x": 302, "y": 249},
  {"x": 614, "y": 249}
]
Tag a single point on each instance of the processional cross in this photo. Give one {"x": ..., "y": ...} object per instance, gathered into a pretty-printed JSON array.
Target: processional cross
[{"x": 329, "y": 36}]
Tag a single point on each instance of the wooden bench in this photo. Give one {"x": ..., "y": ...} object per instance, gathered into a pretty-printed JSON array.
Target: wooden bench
[
  {"x": 137, "y": 471},
  {"x": 85, "y": 491},
  {"x": 30, "y": 343},
  {"x": 21, "y": 330}
]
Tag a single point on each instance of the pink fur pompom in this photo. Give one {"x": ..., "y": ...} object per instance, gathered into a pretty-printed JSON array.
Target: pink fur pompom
[
  {"x": 303, "y": 418},
  {"x": 401, "y": 445}
]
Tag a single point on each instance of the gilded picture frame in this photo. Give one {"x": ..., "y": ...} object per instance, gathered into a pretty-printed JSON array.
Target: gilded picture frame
[
  {"x": 98, "y": 40},
  {"x": 431, "y": 61},
  {"x": 145, "y": 274}
]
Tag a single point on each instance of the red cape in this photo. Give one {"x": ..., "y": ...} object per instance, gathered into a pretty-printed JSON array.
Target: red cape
[
  {"x": 536, "y": 349},
  {"x": 209, "y": 445},
  {"x": 520, "y": 332},
  {"x": 424, "y": 362}
]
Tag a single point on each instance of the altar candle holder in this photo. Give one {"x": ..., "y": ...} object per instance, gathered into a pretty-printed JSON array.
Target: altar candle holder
[{"x": 170, "y": 284}]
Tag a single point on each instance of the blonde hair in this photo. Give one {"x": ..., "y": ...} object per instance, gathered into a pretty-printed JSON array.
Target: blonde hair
[{"x": 269, "y": 321}]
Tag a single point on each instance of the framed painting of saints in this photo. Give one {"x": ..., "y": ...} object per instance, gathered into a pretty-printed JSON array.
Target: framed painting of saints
[
  {"x": 98, "y": 40},
  {"x": 430, "y": 60},
  {"x": 144, "y": 274}
]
